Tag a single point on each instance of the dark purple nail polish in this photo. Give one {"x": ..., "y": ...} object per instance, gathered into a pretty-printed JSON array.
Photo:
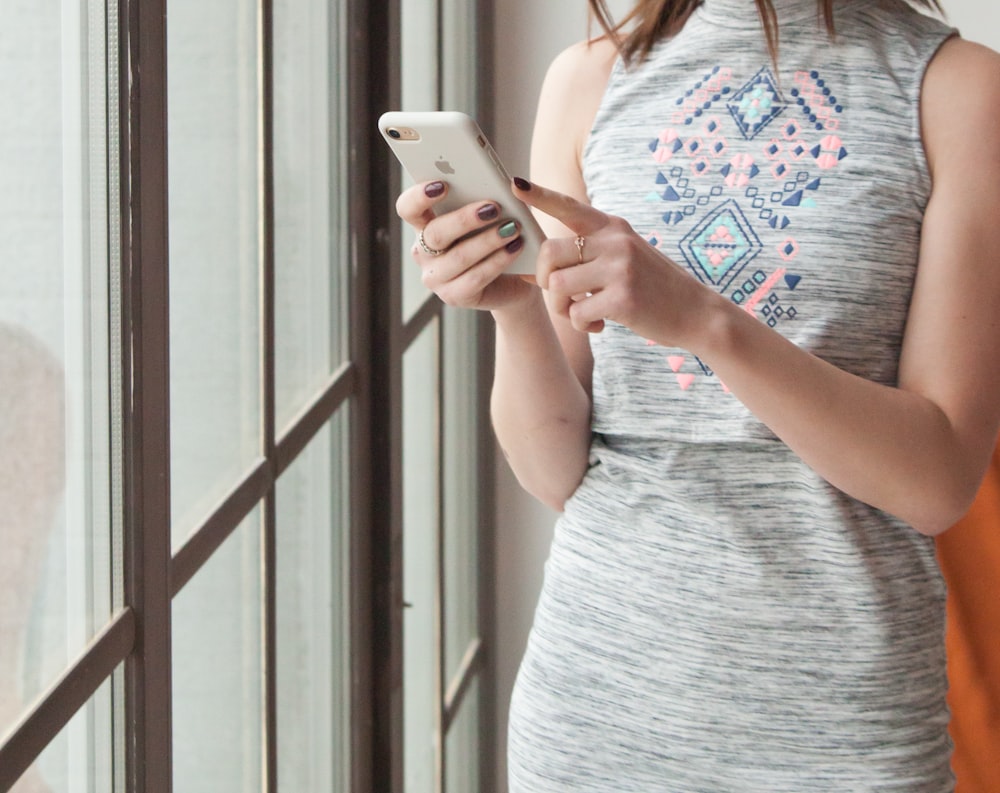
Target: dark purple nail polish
[
  {"x": 514, "y": 245},
  {"x": 522, "y": 184},
  {"x": 488, "y": 212},
  {"x": 434, "y": 189}
]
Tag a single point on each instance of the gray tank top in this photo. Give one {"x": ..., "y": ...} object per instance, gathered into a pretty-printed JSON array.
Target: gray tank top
[
  {"x": 796, "y": 192},
  {"x": 714, "y": 616}
]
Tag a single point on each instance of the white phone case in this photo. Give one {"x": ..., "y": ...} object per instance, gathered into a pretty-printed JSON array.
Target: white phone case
[{"x": 450, "y": 146}]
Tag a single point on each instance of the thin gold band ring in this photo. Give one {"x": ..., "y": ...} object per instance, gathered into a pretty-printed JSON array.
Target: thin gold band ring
[{"x": 425, "y": 247}]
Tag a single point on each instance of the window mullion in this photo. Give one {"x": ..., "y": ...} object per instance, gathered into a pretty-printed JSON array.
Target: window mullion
[
  {"x": 145, "y": 362},
  {"x": 372, "y": 79},
  {"x": 265, "y": 93}
]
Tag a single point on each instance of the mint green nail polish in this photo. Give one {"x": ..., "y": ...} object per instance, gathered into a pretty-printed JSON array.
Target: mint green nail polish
[{"x": 508, "y": 229}]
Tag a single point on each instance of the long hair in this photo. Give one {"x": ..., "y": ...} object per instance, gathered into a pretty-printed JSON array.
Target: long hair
[{"x": 649, "y": 21}]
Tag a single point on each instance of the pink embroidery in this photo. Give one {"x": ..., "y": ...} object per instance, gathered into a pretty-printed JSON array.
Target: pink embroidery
[
  {"x": 829, "y": 152},
  {"x": 742, "y": 167},
  {"x": 800, "y": 137},
  {"x": 790, "y": 130},
  {"x": 788, "y": 249},
  {"x": 798, "y": 150},
  {"x": 817, "y": 100},
  {"x": 764, "y": 288},
  {"x": 704, "y": 92},
  {"x": 701, "y": 167}
]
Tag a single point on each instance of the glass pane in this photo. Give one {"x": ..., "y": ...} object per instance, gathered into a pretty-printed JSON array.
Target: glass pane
[
  {"x": 55, "y": 579},
  {"x": 312, "y": 624},
  {"x": 462, "y": 751},
  {"x": 421, "y": 685},
  {"x": 311, "y": 257},
  {"x": 214, "y": 272},
  {"x": 419, "y": 74},
  {"x": 461, "y": 492},
  {"x": 79, "y": 759},
  {"x": 458, "y": 20},
  {"x": 217, "y": 670}
]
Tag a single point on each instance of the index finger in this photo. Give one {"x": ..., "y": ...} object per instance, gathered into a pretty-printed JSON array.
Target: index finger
[{"x": 578, "y": 217}]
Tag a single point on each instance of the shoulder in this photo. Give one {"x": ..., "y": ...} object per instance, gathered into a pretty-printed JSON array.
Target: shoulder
[
  {"x": 963, "y": 66},
  {"x": 585, "y": 65},
  {"x": 959, "y": 97},
  {"x": 572, "y": 90}
]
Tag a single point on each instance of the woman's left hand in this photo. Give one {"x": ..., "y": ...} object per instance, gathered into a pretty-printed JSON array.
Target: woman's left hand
[{"x": 610, "y": 272}]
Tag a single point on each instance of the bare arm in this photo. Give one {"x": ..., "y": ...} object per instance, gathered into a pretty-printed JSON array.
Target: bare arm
[
  {"x": 540, "y": 401},
  {"x": 917, "y": 450},
  {"x": 541, "y": 393}
]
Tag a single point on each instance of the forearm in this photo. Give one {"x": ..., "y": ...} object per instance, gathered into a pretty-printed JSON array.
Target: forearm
[
  {"x": 540, "y": 410},
  {"x": 888, "y": 447}
]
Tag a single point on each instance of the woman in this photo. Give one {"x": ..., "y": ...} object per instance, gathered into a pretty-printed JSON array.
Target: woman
[{"x": 758, "y": 376}]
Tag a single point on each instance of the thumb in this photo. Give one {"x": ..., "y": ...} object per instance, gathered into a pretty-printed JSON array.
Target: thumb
[{"x": 578, "y": 217}]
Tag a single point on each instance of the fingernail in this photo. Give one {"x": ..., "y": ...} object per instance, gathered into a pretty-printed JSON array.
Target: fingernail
[
  {"x": 488, "y": 212},
  {"x": 508, "y": 229},
  {"x": 434, "y": 189},
  {"x": 522, "y": 184},
  {"x": 514, "y": 245}
]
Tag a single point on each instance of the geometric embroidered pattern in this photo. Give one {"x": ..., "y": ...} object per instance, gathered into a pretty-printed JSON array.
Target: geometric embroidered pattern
[
  {"x": 757, "y": 104},
  {"x": 699, "y": 99},
  {"x": 721, "y": 245},
  {"x": 725, "y": 155},
  {"x": 816, "y": 100},
  {"x": 829, "y": 151}
]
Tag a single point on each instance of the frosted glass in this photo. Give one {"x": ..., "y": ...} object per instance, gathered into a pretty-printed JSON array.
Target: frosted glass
[
  {"x": 217, "y": 670},
  {"x": 312, "y": 619},
  {"x": 312, "y": 263},
  {"x": 55, "y": 455},
  {"x": 215, "y": 424},
  {"x": 421, "y": 511}
]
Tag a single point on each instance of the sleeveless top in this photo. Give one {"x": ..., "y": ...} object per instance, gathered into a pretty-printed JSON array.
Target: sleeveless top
[{"x": 715, "y": 616}]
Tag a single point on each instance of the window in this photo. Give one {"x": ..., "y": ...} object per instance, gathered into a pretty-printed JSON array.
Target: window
[{"x": 246, "y": 472}]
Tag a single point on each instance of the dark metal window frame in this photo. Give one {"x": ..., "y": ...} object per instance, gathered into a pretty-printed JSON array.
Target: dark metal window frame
[{"x": 138, "y": 635}]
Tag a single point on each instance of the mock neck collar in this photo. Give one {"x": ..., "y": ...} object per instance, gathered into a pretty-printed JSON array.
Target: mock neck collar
[{"x": 743, "y": 12}]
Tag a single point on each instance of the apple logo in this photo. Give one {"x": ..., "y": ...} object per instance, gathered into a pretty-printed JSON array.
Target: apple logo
[{"x": 444, "y": 166}]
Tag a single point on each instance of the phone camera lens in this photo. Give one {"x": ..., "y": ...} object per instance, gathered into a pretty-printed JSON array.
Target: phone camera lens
[{"x": 395, "y": 133}]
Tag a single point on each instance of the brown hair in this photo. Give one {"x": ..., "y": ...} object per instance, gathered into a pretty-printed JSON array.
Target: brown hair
[{"x": 652, "y": 20}]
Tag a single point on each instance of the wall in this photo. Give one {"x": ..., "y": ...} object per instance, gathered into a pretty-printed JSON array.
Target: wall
[
  {"x": 978, "y": 20},
  {"x": 528, "y": 36}
]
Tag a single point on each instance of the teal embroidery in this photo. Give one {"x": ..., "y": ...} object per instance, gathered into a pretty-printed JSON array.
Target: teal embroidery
[
  {"x": 730, "y": 159},
  {"x": 757, "y": 104},
  {"x": 721, "y": 245}
]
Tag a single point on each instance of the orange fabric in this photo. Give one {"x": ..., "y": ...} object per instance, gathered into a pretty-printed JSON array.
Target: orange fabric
[{"x": 970, "y": 559}]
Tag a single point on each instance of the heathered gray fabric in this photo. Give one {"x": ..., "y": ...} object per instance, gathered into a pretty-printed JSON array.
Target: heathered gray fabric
[{"x": 716, "y": 617}]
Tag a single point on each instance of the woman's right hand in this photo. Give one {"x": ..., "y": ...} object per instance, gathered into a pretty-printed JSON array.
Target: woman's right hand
[{"x": 467, "y": 251}]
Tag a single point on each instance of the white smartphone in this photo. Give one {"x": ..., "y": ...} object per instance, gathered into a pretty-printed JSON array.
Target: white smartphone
[{"x": 450, "y": 146}]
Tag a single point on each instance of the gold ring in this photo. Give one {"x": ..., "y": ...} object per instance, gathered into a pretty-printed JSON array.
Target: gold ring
[
  {"x": 425, "y": 247},
  {"x": 580, "y": 242}
]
